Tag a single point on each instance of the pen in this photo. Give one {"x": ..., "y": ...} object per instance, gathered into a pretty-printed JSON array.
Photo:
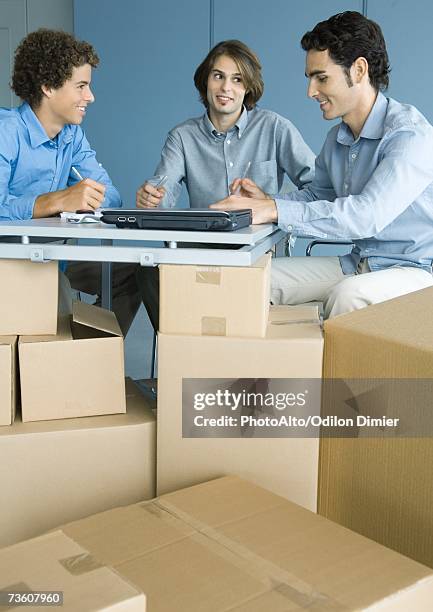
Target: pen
[
  {"x": 77, "y": 174},
  {"x": 161, "y": 181},
  {"x": 242, "y": 177}
]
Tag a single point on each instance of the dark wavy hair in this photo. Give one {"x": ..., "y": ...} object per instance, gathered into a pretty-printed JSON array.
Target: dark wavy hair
[
  {"x": 47, "y": 57},
  {"x": 249, "y": 67},
  {"x": 350, "y": 35}
]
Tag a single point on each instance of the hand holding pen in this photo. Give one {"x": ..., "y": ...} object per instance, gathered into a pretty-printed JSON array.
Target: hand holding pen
[{"x": 151, "y": 194}]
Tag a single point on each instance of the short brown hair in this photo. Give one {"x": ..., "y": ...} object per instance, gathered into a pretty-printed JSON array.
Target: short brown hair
[
  {"x": 249, "y": 68},
  {"x": 47, "y": 58}
]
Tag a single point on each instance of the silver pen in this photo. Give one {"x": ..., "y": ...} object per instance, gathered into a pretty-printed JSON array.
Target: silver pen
[
  {"x": 77, "y": 174},
  {"x": 242, "y": 177}
]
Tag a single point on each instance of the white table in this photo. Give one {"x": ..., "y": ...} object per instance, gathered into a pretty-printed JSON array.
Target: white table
[{"x": 28, "y": 240}]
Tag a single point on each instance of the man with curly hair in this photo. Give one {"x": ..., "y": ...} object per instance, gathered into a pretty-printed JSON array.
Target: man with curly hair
[
  {"x": 373, "y": 183},
  {"x": 44, "y": 151}
]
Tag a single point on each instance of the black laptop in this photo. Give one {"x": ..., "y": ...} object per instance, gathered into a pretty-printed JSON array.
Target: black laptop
[{"x": 191, "y": 219}]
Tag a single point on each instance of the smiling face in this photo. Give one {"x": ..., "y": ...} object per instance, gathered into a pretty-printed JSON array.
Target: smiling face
[
  {"x": 331, "y": 86},
  {"x": 225, "y": 92},
  {"x": 68, "y": 103}
]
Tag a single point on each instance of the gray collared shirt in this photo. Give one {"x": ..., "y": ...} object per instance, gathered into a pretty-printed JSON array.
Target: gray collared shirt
[
  {"x": 376, "y": 190},
  {"x": 208, "y": 161}
]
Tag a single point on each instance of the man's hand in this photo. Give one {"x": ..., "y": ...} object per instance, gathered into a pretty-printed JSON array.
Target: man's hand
[
  {"x": 247, "y": 188},
  {"x": 85, "y": 195},
  {"x": 264, "y": 209},
  {"x": 149, "y": 196}
]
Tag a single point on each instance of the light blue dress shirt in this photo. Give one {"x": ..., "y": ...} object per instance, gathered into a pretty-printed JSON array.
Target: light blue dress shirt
[
  {"x": 32, "y": 164},
  {"x": 376, "y": 190},
  {"x": 208, "y": 161}
]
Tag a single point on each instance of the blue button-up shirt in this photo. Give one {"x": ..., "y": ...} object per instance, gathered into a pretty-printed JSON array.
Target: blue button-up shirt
[
  {"x": 32, "y": 164},
  {"x": 208, "y": 161},
  {"x": 376, "y": 190}
]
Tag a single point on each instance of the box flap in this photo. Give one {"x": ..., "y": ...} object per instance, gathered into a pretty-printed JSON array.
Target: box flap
[
  {"x": 95, "y": 317},
  {"x": 54, "y": 562}
]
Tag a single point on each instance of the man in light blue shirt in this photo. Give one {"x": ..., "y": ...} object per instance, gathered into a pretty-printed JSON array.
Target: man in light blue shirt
[
  {"x": 44, "y": 151},
  {"x": 233, "y": 138},
  {"x": 373, "y": 183}
]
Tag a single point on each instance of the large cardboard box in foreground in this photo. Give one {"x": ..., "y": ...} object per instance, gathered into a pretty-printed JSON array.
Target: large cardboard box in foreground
[
  {"x": 215, "y": 300},
  {"x": 229, "y": 545},
  {"x": 77, "y": 372},
  {"x": 56, "y": 563},
  {"x": 292, "y": 349},
  {"x": 57, "y": 471},
  {"x": 8, "y": 379},
  {"x": 29, "y": 297},
  {"x": 377, "y": 486}
]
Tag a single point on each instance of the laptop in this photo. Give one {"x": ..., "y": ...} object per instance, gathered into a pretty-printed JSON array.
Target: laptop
[{"x": 191, "y": 219}]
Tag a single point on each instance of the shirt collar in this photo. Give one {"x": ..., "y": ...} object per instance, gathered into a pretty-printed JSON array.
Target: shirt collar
[
  {"x": 373, "y": 127},
  {"x": 37, "y": 133},
  {"x": 240, "y": 124}
]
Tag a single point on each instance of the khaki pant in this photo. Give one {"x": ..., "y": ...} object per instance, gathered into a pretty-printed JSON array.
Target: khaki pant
[{"x": 296, "y": 280}]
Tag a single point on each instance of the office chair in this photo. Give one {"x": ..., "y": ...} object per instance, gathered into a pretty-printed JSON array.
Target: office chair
[{"x": 314, "y": 243}]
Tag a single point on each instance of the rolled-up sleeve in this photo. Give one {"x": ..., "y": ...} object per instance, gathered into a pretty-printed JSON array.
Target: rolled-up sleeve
[{"x": 403, "y": 173}]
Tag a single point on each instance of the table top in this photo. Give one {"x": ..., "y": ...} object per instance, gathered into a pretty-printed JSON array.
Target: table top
[{"x": 60, "y": 228}]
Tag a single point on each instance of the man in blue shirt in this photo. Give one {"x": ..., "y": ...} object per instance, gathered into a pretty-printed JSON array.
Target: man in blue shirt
[
  {"x": 373, "y": 182},
  {"x": 233, "y": 138},
  {"x": 44, "y": 151}
]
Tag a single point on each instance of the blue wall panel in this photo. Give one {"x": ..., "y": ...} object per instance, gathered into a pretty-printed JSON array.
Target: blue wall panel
[
  {"x": 274, "y": 29},
  {"x": 143, "y": 86},
  {"x": 407, "y": 27}
]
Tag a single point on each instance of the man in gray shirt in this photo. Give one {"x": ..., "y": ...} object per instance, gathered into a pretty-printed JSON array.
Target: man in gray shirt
[{"x": 232, "y": 139}]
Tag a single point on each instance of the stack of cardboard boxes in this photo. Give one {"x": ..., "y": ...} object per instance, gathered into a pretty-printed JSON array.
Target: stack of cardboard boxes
[
  {"x": 215, "y": 323},
  {"x": 224, "y": 544},
  {"x": 56, "y": 466}
]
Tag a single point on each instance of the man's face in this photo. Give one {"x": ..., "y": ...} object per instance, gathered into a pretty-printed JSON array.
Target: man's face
[
  {"x": 328, "y": 84},
  {"x": 68, "y": 103},
  {"x": 225, "y": 89}
]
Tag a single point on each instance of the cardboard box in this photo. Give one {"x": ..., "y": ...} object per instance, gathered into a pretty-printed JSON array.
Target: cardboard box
[
  {"x": 8, "y": 379},
  {"x": 52, "y": 472},
  {"x": 77, "y": 372},
  {"x": 29, "y": 297},
  {"x": 229, "y": 545},
  {"x": 215, "y": 301},
  {"x": 287, "y": 466},
  {"x": 56, "y": 563},
  {"x": 381, "y": 487}
]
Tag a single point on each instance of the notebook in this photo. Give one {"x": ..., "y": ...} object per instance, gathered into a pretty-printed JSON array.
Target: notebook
[{"x": 191, "y": 219}]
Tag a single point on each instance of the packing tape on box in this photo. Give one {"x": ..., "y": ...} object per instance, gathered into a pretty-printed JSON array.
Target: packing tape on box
[
  {"x": 213, "y": 326},
  {"x": 276, "y": 579},
  {"x": 80, "y": 564},
  {"x": 18, "y": 587},
  {"x": 299, "y": 322},
  {"x": 208, "y": 276}
]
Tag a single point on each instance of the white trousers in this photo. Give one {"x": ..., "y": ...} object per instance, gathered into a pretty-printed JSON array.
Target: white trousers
[{"x": 296, "y": 280}]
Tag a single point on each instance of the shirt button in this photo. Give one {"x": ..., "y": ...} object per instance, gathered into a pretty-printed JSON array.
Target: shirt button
[
  {"x": 231, "y": 164},
  {"x": 228, "y": 141},
  {"x": 346, "y": 185},
  {"x": 353, "y": 155},
  {"x": 289, "y": 228}
]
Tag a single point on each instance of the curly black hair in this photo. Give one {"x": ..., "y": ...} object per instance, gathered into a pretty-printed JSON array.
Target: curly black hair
[
  {"x": 249, "y": 68},
  {"x": 350, "y": 35},
  {"x": 47, "y": 57}
]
